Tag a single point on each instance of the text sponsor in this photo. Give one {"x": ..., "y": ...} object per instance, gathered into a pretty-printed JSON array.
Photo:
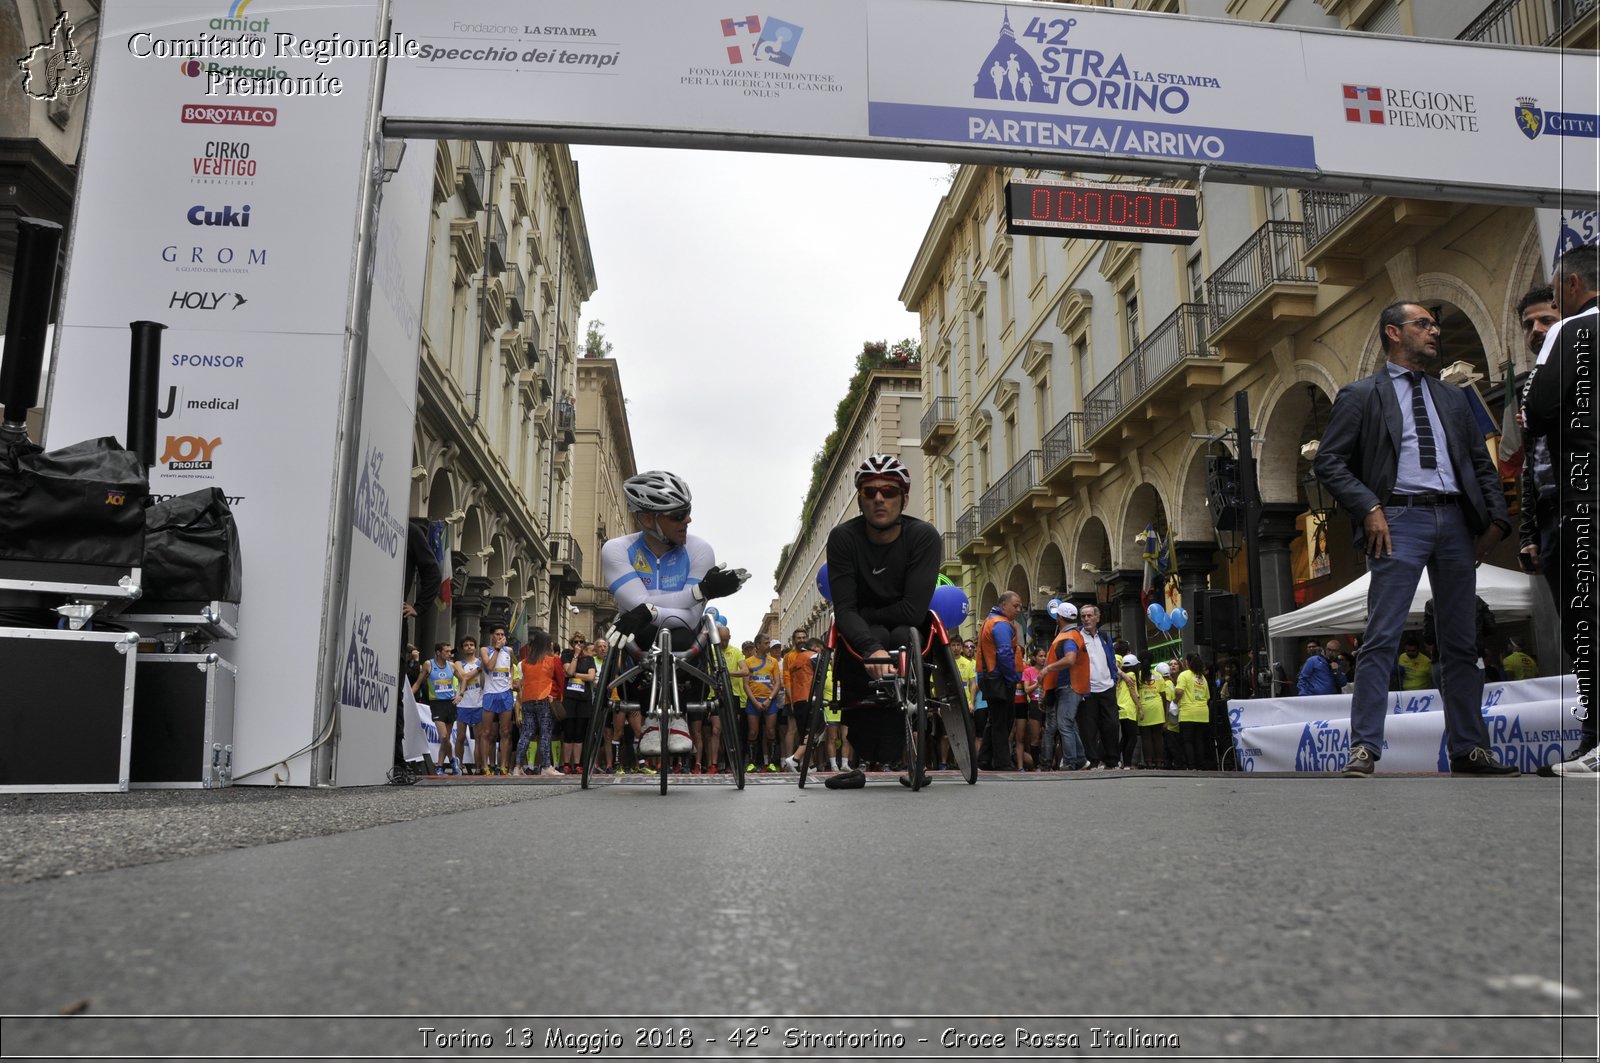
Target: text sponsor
[
  {"x": 228, "y": 215},
  {"x": 362, "y": 683},
  {"x": 540, "y": 56},
  {"x": 206, "y": 301},
  {"x": 208, "y": 361},
  {"x": 1059, "y": 70},
  {"x": 225, "y": 114},
  {"x": 189, "y": 453},
  {"x": 1409, "y": 108},
  {"x": 1324, "y": 747},
  {"x": 232, "y": 500},
  {"x": 373, "y": 517},
  {"x": 224, "y": 162},
  {"x": 177, "y": 399},
  {"x": 758, "y": 60},
  {"x": 197, "y": 259},
  {"x": 1534, "y": 121}
]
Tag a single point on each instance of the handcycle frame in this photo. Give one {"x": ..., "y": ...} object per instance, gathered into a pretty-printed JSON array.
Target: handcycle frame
[
  {"x": 916, "y": 689},
  {"x": 665, "y": 667}
]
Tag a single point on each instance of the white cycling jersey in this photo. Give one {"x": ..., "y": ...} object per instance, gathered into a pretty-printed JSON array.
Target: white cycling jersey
[{"x": 636, "y": 576}]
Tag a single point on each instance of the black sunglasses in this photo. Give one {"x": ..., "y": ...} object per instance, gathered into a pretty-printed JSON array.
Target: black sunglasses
[
  {"x": 870, "y": 492},
  {"x": 680, "y": 516}
]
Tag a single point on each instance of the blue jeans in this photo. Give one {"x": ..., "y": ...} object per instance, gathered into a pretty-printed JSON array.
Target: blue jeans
[
  {"x": 1066, "y": 723},
  {"x": 1435, "y": 538}
]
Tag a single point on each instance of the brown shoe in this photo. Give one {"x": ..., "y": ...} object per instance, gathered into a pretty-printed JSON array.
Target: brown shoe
[{"x": 1361, "y": 763}]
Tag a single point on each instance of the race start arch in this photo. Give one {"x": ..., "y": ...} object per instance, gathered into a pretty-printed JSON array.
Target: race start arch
[{"x": 242, "y": 181}]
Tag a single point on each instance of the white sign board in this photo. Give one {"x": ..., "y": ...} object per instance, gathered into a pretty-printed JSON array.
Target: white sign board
[
  {"x": 1528, "y": 721},
  {"x": 231, "y": 217},
  {"x": 1100, "y": 88}
]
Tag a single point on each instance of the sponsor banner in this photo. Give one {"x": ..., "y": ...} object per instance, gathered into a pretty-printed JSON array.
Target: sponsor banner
[
  {"x": 207, "y": 207},
  {"x": 421, "y": 737},
  {"x": 1528, "y": 720},
  {"x": 1068, "y": 78},
  {"x": 1435, "y": 111},
  {"x": 1090, "y": 84},
  {"x": 370, "y": 631},
  {"x": 226, "y": 209},
  {"x": 796, "y": 69},
  {"x": 255, "y": 415},
  {"x": 1562, "y": 230}
]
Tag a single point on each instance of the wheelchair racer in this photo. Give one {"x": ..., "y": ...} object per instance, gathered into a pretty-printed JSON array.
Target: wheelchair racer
[
  {"x": 661, "y": 577},
  {"x": 882, "y": 568}
]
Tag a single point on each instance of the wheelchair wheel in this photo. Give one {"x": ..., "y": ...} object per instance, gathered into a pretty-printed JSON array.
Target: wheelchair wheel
[
  {"x": 730, "y": 728},
  {"x": 951, "y": 701},
  {"x": 915, "y": 691},
  {"x": 819, "y": 703},
  {"x": 597, "y": 722}
]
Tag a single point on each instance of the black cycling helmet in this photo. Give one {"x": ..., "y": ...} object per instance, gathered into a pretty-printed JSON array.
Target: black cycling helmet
[
  {"x": 884, "y": 466},
  {"x": 656, "y": 491}
]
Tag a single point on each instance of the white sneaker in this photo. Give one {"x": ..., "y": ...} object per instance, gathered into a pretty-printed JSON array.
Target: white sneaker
[
  {"x": 1584, "y": 767},
  {"x": 650, "y": 740},
  {"x": 790, "y": 764},
  {"x": 678, "y": 738}
]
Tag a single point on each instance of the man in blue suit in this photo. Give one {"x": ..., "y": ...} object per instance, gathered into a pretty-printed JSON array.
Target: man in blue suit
[{"x": 1405, "y": 459}]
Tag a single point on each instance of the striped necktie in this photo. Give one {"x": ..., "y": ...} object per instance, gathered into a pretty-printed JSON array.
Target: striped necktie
[{"x": 1426, "y": 453}]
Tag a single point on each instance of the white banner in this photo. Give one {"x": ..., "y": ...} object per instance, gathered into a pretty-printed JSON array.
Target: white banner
[
  {"x": 1090, "y": 84},
  {"x": 1529, "y": 725},
  {"x": 229, "y": 215},
  {"x": 369, "y": 638}
]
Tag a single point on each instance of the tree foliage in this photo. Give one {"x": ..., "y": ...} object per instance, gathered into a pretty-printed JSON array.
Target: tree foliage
[{"x": 595, "y": 344}]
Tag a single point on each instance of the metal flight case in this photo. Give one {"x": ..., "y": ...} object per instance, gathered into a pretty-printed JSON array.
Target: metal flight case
[
  {"x": 183, "y": 722},
  {"x": 66, "y": 714},
  {"x": 183, "y": 626}
]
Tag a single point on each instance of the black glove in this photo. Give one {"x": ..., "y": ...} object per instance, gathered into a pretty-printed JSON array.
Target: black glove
[
  {"x": 635, "y": 620},
  {"x": 719, "y": 582}
]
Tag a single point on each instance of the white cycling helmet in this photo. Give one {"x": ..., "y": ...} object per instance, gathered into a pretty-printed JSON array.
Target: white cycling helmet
[
  {"x": 656, "y": 491},
  {"x": 884, "y": 465}
]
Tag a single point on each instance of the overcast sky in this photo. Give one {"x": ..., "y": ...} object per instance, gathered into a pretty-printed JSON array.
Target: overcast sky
[{"x": 737, "y": 289}]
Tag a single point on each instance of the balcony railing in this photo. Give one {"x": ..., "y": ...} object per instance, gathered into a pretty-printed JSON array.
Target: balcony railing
[
  {"x": 950, "y": 544},
  {"x": 1181, "y": 335},
  {"x": 566, "y": 424},
  {"x": 1325, "y": 211},
  {"x": 515, "y": 296},
  {"x": 1010, "y": 489},
  {"x": 940, "y": 415},
  {"x": 1270, "y": 256},
  {"x": 1065, "y": 440},
  {"x": 1537, "y": 22},
  {"x": 967, "y": 527},
  {"x": 497, "y": 242},
  {"x": 566, "y": 562},
  {"x": 471, "y": 185}
]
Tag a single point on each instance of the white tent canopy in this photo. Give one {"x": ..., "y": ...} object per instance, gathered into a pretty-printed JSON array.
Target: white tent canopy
[{"x": 1509, "y": 595}]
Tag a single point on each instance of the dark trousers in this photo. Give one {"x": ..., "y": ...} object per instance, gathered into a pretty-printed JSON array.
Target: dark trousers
[
  {"x": 1197, "y": 748},
  {"x": 1559, "y": 546},
  {"x": 997, "y": 738},
  {"x": 1130, "y": 740},
  {"x": 1097, "y": 726}
]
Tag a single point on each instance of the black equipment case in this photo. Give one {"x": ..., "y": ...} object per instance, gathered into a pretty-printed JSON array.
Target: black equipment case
[
  {"x": 66, "y": 710},
  {"x": 183, "y": 722}
]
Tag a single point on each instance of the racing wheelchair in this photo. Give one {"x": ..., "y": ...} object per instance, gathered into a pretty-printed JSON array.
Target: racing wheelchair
[
  {"x": 926, "y": 688},
  {"x": 665, "y": 680}
]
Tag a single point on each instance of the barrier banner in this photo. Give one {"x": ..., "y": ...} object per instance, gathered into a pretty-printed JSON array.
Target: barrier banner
[{"x": 1529, "y": 723}]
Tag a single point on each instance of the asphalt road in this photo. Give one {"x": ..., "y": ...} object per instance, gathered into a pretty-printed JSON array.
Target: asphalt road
[{"x": 1235, "y": 916}]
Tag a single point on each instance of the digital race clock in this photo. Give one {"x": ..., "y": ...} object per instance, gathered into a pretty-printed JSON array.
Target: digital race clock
[{"x": 1106, "y": 212}]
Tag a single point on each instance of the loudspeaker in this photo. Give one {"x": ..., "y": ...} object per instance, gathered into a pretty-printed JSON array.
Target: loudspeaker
[
  {"x": 1219, "y": 621},
  {"x": 1222, "y": 491}
]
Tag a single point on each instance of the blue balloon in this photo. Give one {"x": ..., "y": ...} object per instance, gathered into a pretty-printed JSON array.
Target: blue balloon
[
  {"x": 1157, "y": 614},
  {"x": 951, "y": 606},
  {"x": 822, "y": 583},
  {"x": 1051, "y": 608},
  {"x": 1179, "y": 618}
]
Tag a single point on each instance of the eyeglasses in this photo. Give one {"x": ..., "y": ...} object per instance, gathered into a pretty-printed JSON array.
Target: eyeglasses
[
  {"x": 1426, "y": 324},
  {"x": 680, "y": 516},
  {"x": 868, "y": 493}
]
